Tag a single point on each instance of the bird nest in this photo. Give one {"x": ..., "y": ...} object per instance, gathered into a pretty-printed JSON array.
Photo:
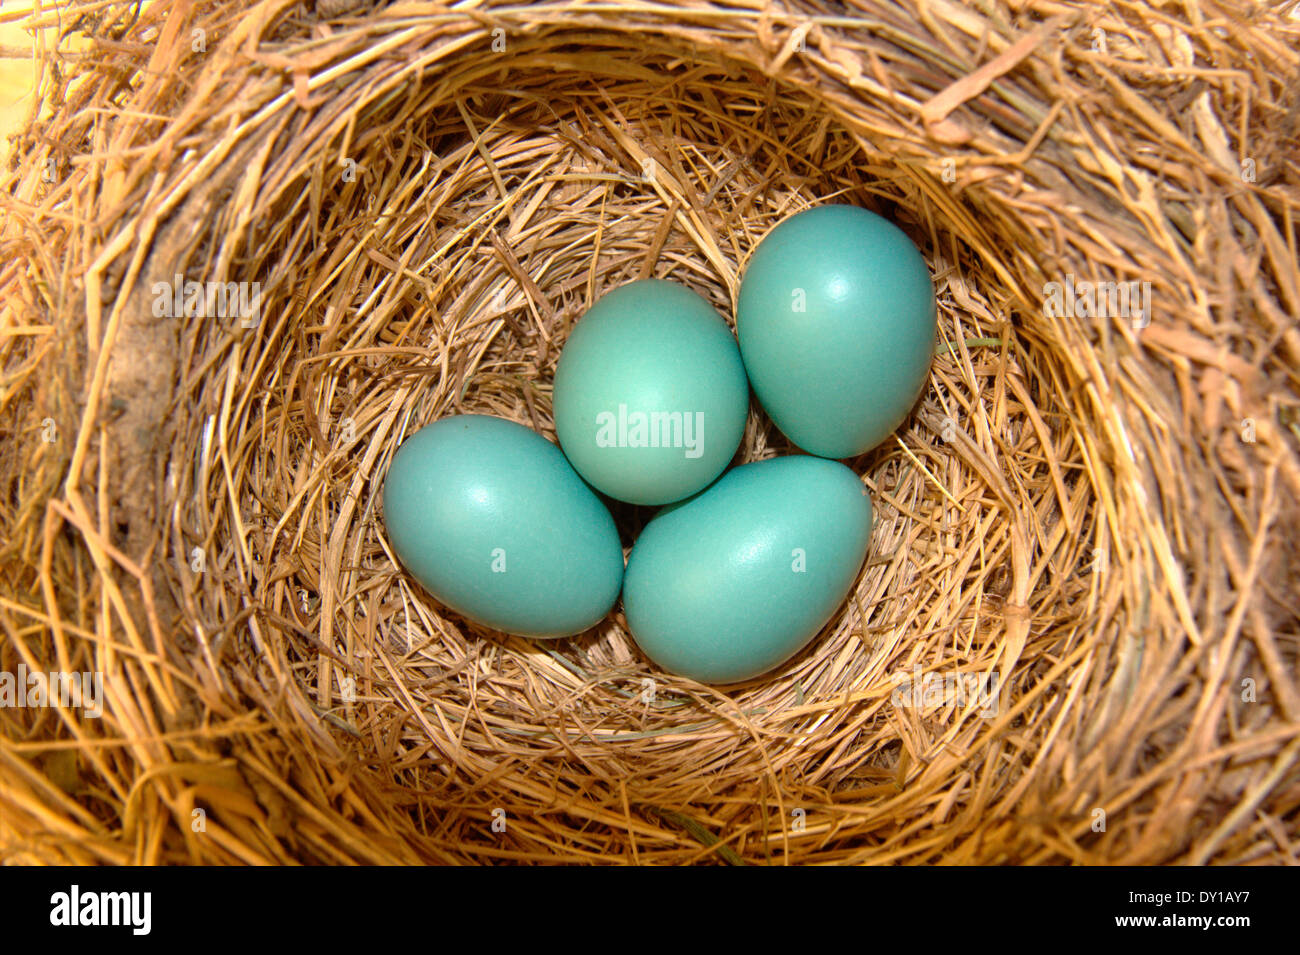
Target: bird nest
[{"x": 251, "y": 248}]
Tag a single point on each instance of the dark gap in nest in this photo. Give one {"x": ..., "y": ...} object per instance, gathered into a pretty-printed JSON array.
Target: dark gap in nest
[{"x": 630, "y": 519}]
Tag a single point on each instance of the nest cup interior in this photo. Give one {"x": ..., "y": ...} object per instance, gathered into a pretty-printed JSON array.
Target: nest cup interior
[
  {"x": 428, "y": 205},
  {"x": 433, "y": 263}
]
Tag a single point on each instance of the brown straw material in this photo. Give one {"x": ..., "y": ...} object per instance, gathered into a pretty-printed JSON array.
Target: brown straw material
[{"x": 1098, "y": 508}]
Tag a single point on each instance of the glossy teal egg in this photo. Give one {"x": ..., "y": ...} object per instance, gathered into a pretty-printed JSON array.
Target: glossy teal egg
[
  {"x": 650, "y": 393},
  {"x": 736, "y": 580},
  {"x": 836, "y": 318},
  {"x": 490, "y": 518}
]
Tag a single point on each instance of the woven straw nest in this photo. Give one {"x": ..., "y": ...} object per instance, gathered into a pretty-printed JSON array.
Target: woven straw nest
[{"x": 1098, "y": 509}]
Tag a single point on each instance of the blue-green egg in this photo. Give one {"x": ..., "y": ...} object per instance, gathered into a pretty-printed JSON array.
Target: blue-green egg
[
  {"x": 490, "y": 518},
  {"x": 836, "y": 319},
  {"x": 736, "y": 580},
  {"x": 650, "y": 393}
]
